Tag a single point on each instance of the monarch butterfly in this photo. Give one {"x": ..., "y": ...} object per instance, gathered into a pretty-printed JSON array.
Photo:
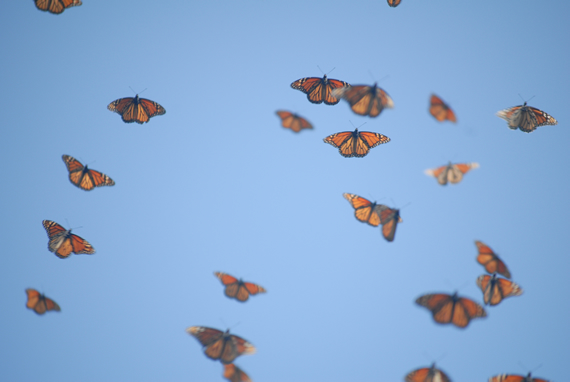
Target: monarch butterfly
[
  {"x": 451, "y": 309},
  {"x": 364, "y": 210},
  {"x": 452, "y": 173},
  {"x": 490, "y": 260},
  {"x": 84, "y": 178},
  {"x": 221, "y": 345},
  {"x": 40, "y": 303},
  {"x": 394, "y": 3},
  {"x": 56, "y": 6},
  {"x": 234, "y": 374},
  {"x": 526, "y": 118},
  {"x": 389, "y": 218},
  {"x": 354, "y": 143},
  {"x": 365, "y": 100},
  {"x": 62, "y": 242},
  {"x": 238, "y": 289},
  {"x": 136, "y": 109},
  {"x": 319, "y": 90},
  {"x": 293, "y": 121},
  {"x": 496, "y": 289},
  {"x": 516, "y": 378},
  {"x": 440, "y": 110},
  {"x": 427, "y": 374}
]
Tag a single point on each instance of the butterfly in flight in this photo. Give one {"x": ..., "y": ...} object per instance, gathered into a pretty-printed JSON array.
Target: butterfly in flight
[
  {"x": 365, "y": 100},
  {"x": 238, "y": 289},
  {"x": 489, "y": 259},
  {"x": 495, "y": 289},
  {"x": 364, "y": 210},
  {"x": 293, "y": 121},
  {"x": 234, "y": 374},
  {"x": 355, "y": 143},
  {"x": 526, "y": 118},
  {"x": 138, "y": 110},
  {"x": 440, "y": 110},
  {"x": 427, "y": 374},
  {"x": 516, "y": 378},
  {"x": 389, "y": 218},
  {"x": 319, "y": 90},
  {"x": 451, "y": 309},
  {"x": 56, "y": 6},
  {"x": 452, "y": 173},
  {"x": 394, "y": 3},
  {"x": 221, "y": 345},
  {"x": 62, "y": 242},
  {"x": 40, "y": 303},
  {"x": 83, "y": 177}
]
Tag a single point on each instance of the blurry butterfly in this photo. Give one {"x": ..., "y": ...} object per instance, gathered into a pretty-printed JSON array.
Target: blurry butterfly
[
  {"x": 427, "y": 374},
  {"x": 136, "y": 109},
  {"x": 40, "y": 303},
  {"x": 293, "y": 121},
  {"x": 56, "y": 6},
  {"x": 84, "y": 178},
  {"x": 365, "y": 210},
  {"x": 490, "y": 260},
  {"x": 63, "y": 242},
  {"x": 319, "y": 90},
  {"x": 355, "y": 143},
  {"x": 219, "y": 345},
  {"x": 451, "y": 309},
  {"x": 496, "y": 289},
  {"x": 440, "y": 110},
  {"x": 394, "y": 3},
  {"x": 389, "y": 218},
  {"x": 452, "y": 173},
  {"x": 516, "y": 378},
  {"x": 526, "y": 118},
  {"x": 238, "y": 289},
  {"x": 365, "y": 100},
  {"x": 234, "y": 374}
]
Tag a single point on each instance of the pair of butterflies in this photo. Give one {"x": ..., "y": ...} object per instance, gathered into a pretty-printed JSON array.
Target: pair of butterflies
[
  {"x": 375, "y": 214},
  {"x": 62, "y": 242},
  {"x": 220, "y": 345},
  {"x": 40, "y": 303},
  {"x": 238, "y": 289},
  {"x": 139, "y": 110},
  {"x": 451, "y": 173},
  {"x": 526, "y": 118},
  {"x": 56, "y": 6}
]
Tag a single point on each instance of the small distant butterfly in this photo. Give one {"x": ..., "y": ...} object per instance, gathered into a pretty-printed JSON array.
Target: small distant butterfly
[
  {"x": 516, "y": 378},
  {"x": 389, "y": 218},
  {"x": 138, "y": 110},
  {"x": 240, "y": 290},
  {"x": 495, "y": 289},
  {"x": 490, "y": 260},
  {"x": 394, "y": 3},
  {"x": 40, "y": 303},
  {"x": 427, "y": 374},
  {"x": 293, "y": 121},
  {"x": 365, "y": 210},
  {"x": 451, "y": 309},
  {"x": 221, "y": 345},
  {"x": 526, "y": 118},
  {"x": 84, "y": 178},
  {"x": 365, "y": 100},
  {"x": 355, "y": 143},
  {"x": 452, "y": 173},
  {"x": 440, "y": 110},
  {"x": 319, "y": 90},
  {"x": 62, "y": 242},
  {"x": 234, "y": 374},
  {"x": 56, "y": 6}
]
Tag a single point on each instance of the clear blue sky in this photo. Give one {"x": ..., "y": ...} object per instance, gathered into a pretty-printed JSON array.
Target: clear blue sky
[{"x": 216, "y": 184}]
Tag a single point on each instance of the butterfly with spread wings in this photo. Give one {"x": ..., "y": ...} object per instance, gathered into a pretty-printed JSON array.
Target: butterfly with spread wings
[
  {"x": 139, "y": 110},
  {"x": 62, "y": 242},
  {"x": 238, "y": 289},
  {"x": 451, "y": 172},
  {"x": 365, "y": 100},
  {"x": 83, "y": 177},
  {"x": 56, "y": 6},
  {"x": 526, "y": 118},
  {"x": 364, "y": 210},
  {"x": 389, "y": 218},
  {"x": 221, "y": 345},
  {"x": 495, "y": 289},
  {"x": 516, "y": 378},
  {"x": 354, "y": 143},
  {"x": 451, "y": 309},
  {"x": 440, "y": 110},
  {"x": 319, "y": 90},
  {"x": 40, "y": 303},
  {"x": 394, "y": 3},
  {"x": 293, "y": 121},
  {"x": 427, "y": 374},
  {"x": 234, "y": 374},
  {"x": 490, "y": 260}
]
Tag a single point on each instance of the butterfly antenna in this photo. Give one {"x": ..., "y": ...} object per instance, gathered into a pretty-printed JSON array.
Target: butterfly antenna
[
  {"x": 355, "y": 126},
  {"x": 405, "y": 205},
  {"x": 320, "y": 69},
  {"x": 132, "y": 90},
  {"x": 463, "y": 285},
  {"x": 372, "y": 75},
  {"x": 441, "y": 357},
  {"x": 331, "y": 70}
]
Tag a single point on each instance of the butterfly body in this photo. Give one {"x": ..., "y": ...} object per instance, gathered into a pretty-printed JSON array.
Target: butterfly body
[
  {"x": 440, "y": 110},
  {"x": 490, "y": 260},
  {"x": 516, "y": 378},
  {"x": 427, "y": 374},
  {"x": 84, "y": 178},
  {"x": 319, "y": 90},
  {"x": 354, "y": 143},
  {"x": 365, "y": 100},
  {"x": 451, "y": 309},
  {"x": 40, "y": 303},
  {"x": 238, "y": 289},
  {"x": 56, "y": 6},
  {"x": 526, "y": 118},
  {"x": 495, "y": 289},
  {"x": 139, "y": 110},
  {"x": 293, "y": 121},
  {"x": 62, "y": 242},
  {"x": 220, "y": 345},
  {"x": 452, "y": 173}
]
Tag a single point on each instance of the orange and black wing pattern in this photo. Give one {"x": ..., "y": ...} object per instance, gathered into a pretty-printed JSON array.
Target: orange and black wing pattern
[
  {"x": 365, "y": 100},
  {"x": 526, "y": 118},
  {"x": 56, "y": 6},
  {"x": 451, "y": 172},
  {"x": 389, "y": 218},
  {"x": 138, "y": 110},
  {"x": 40, "y": 303},
  {"x": 293, "y": 121},
  {"x": 83, "y": 177},
  {"x": 394, "y": 3},
  {"x": 427, "y": 374},
  {"x": 240, "y": 290},
  {"x": 364, "y": 210},
  {"x": 234, "y": 374},
  {"x": 451, "y": 309},
  {"x": 354, "y": 143},
  {"x": 495, "y": 289},
  {"x": 490, "y": 260},
  {"x": 219, "y": 345},
  {"x": 62, "y": 242},
  {"x": 440, "y": 110},
  {"x": 516, "y": 378},
  {"x": 319, "y": 90}
]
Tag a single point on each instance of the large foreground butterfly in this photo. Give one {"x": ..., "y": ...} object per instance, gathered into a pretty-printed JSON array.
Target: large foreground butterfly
[
  {"x": 56, "y": 6},
  {"x": 365, "y": 210},
  {"x": 234, "y": 374},
  {"x": 495, "y": 289},
  {"x": 84, "y": 178},
  {"x": 221, "y": 345},
  {"x": 355, "y": 143},
  {"x": 440, "y": 110},
  {"x": 40, "y": 303},
  {"x": 389, "y": 218},
  {"x": 451, "y": 309},
  {"x": 516, "y": 378},
  {"x": 489, "y": 259},
  {"x": 365, "y": 100},
  {"x": 526, "y": 118},
  {"x": 452, "y": 173},
  {"x": 136, "y": 109},
  {"x": 427, "y": 374},
  {"x": 394, "y": 3},
  {"x": 238, "y": 289},
  {"x": 62, "y": 242},
  {"x": 319, "y": 90},
  {"x": 293, "y": 121}
]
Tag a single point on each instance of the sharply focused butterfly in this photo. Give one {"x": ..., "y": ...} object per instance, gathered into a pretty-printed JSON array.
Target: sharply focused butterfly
[
  {"x": 84, "y": 178},
  {"x": 364, "y": 210},
  {"x": 355, "y": 143},
  {"x": 452, "y": 173},
  {"x": 238, "y": 289},
  {"x": 440, "y": 110},
  {"x": 40, "y": 303},
  {"x": 365, "y": 100},
  {"x": 394, "y": 3},
  {"x": 219, "y": 345},
  {"x": 63, "y": 242},
  {"x": 496, "y": 289},
  {"x": 319, "y": 89},
  {"x": 136, "y": 109},
  {"x": 234, "y": 374},
  {"x": 489, "y": 259},
  {"x": 451, "y": 309},
  {"x": 427, "y": 374},
  {"x": 293, "y": 121},
  {"x": 526, "y": 118},
  {"x": 56, "y": 6},
  {"x": 389, "y": 218},
  {"x": 516, "y": 378}
]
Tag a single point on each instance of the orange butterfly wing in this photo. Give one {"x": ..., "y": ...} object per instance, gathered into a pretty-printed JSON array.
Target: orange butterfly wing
[
  {"x": 526, "y": 118},
  {"x": 238, "y": 289},
  {"x": 389, "y": 217},
  {"x": 84, "y": 178},
  {"x": 319, "y": 90},
  {"x": 293, "y": 121},
  {"x": 394, "y": 3},
  {"x": 136, "y": 109},
  {"x": 427, "y": 374},
  {"x": 364, "y": 210},
  {"x": 365, "y": 100},
  {"x": 452, "y": 173},
  {"x": 451, "y": 309},
  {"x": 440, "y": 110},
  {"x": 354, "y": 143},
  {"x": 515, "y": 378},
  {"x": 496, "y": 289},
  {"x": 490, "y": 260},
  {"x": 62, "y": 242},
  {"x": 40, "y": 303},
  {"x": 56, "y": 6},
  {"x": 234, "y": 374},
  {"x": 220, "y": 345}
]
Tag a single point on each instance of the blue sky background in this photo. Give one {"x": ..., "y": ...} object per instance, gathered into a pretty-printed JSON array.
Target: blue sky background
[{"x": 216, "y": 184}]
